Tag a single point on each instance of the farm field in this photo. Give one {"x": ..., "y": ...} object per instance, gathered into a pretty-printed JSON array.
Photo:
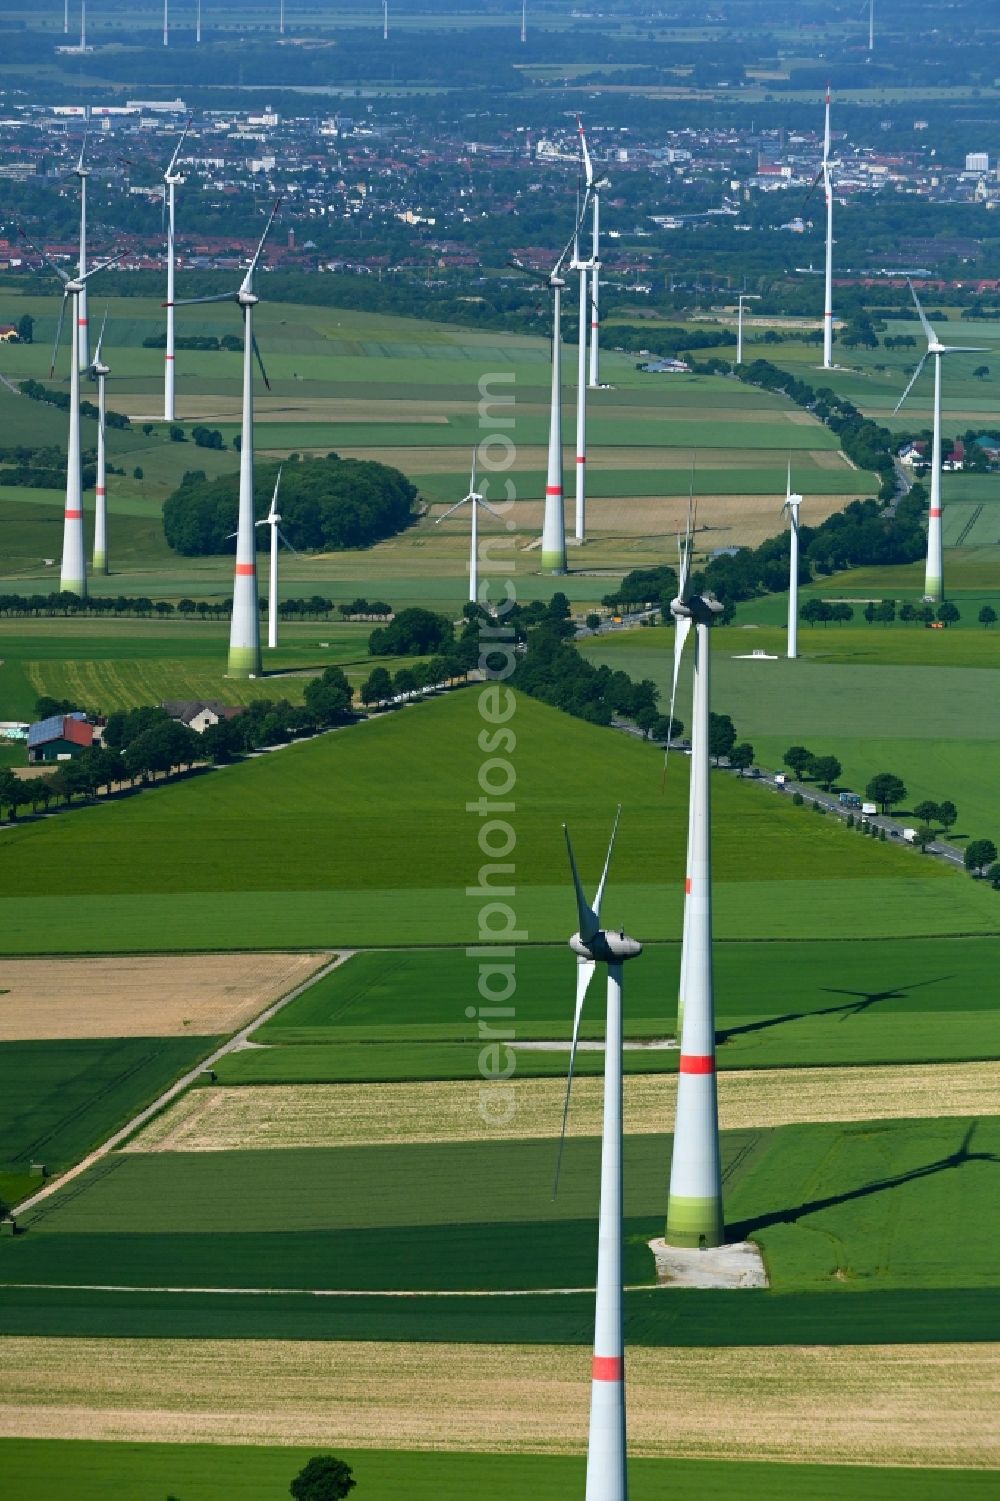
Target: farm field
[
  {"x": 931, "y": 723},
  {"x": 841, "y": 1208},
  {"x": 340, "y": 793},
  {"x": 514, "y": 1399},
  {"x": 275, "y": 1117},
  {"x": 345, "y": 381},
  {"x": 38, "y": 1469}
]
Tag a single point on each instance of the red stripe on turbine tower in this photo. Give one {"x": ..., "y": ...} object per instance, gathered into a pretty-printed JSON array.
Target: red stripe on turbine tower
[
  {"x": 687, "y": 885},
  {"x": 697, "y": 1063},
  {"x": 244, "y": 570},
  {"x": 73, "y": 515},
  {"x": 608, "y": 1368},
  {"x": 581, "y": 458},
  {"x": 935, "y": 510},
  {"x": 553, "y": 489}
]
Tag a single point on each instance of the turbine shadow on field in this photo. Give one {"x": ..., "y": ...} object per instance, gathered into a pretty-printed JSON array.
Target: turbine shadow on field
[
  {"x": 865, "y": 998},
  {"x": 962, "y": 1154}
]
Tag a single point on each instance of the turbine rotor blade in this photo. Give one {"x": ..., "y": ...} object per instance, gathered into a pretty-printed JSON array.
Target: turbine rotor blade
[
  {"x": 97, "y": 352},
  {"x": 190, "y": 301},
  {"x": 913, "y": 378},
  {"x": 286, "y": 541},
  {"x": 260, "y": 244},
  {"x": 177, "y": 149},
  {"x": 584, "y": 974},
  {"x": 481, "y": 500},
  {"x": 598, "y": 899},
  {"x": 103, "y": 266},
  {"x": 925, "y": 324},
  {"x": 42, "y": 256},
  {"x": 472, "y": 477},
  {"x": 260, "y": 362},
  {"x": 59, "y": 329},
  {"x": 589, "y": 922},
  {"x": 452, "y": 509},
  {"x": 964, "y": 349}
]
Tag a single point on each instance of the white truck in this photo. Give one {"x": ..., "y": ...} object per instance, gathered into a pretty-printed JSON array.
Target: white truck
[
  {"x": 869, "y": 808},
  {"x": 910, "y": 835}
]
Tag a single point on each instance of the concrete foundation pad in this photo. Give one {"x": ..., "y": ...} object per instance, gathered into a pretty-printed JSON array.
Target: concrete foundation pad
[{"x": 729, "y": 1267}]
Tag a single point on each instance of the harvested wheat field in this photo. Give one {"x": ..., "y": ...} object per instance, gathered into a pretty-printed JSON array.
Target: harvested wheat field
[
  {"x": 869, "y": 1404},
  {"x": 329, "y": 1115},
  {"x": 156, "y": 996}
]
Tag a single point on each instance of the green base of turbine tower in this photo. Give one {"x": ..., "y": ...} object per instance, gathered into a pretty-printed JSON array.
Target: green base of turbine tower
[
  {"x": 694, "y": 1222},
  {"x": 73, "y": 586},
  {"x": 244, "y": 662},
  {"x": 553, "y": 563},
  {"x": 100, "y": 563},
  {"x": 934, "y": 590}
]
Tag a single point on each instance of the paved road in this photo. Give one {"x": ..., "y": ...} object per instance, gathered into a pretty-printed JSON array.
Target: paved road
[{"x": 236, "y": 1041}]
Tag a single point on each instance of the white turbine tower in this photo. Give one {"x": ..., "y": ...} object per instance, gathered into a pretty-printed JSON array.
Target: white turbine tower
[
  {"x": 694, "y": 1208},
  {"x": 385, "y": 20},
  {"x": 82, "y": 345},
  {"x": 171, "y": 179},
  {"x": 743, "y": 297},
  {"x": 871, "y": 25},
  {"x": 244, "y": 632},
  {"x": 65, "y": 17},
  {"x": 166, "y": 23},
  {"x": 99, "y": 372},
  {"x": 281, "y": 17},
  {"x": 554, "y": 522},
  {"x": 272, "y": 522},
  {"x": 524, "y": 21},
  {"x": 792, "y": 503},
  {"x": 585, "y": 268},
  {"x": 73, "y": 574},
  {"x": 607, "y": 1453},
  {"x": 475, "y": 500},
  {"x": 825, "y": 175},
  {"x": 197, "y": 25},
  {"x": 83, "y": 25},
  {"x": 595, "y": 284},
  {"x": 934, "y": 574}
]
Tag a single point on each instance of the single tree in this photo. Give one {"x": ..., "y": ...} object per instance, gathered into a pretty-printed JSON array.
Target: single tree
[
  {"x": 982, "y": 372},
  {"x": 825, "y": 770},
  {"x": 377, "y": 687},
  {"x": 797, "y": 758},
  {"x": 925, "y": 836},
  {"x": 993, "y": 876},
  {"x": 947, "y": 814},
  {"x": 593, "y": 621},
  {"x": 907, "y": 611},
  {"x": 741, "y": 756},
  {"x": 324, "y": 1478},
  {"x": 26, "y": 329},
  {"x": 987, "y": 616},
  {"x": 886, "y": 789},
  {"x": 721, "y": 735},
  {"x": 927, "y": 812},
  {"x": 948, "y": 614},
  {"x": 978, "y": 854}
]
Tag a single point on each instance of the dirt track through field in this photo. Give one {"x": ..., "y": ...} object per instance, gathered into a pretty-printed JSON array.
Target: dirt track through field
[
  {"x": 325, "y": 1115},
  {"x": 868, "y": 1404},
  {"x": 190, "y": 995}
]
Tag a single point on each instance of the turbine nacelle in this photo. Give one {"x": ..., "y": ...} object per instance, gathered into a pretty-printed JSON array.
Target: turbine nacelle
[
  {"x": 700, "y": 608},
  {"x": 606, "y": 947}
]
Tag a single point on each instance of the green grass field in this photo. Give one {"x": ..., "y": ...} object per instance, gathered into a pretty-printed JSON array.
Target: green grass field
[
  {"x": 922, "y": 704},
  {"x": 37, "y": 1470},
  {"x": 58, "y": 1099},
  {"x": 839, "y": 1209},
  {"x": 373, "y": 863},
  {"x": 395, "y": 1014}
]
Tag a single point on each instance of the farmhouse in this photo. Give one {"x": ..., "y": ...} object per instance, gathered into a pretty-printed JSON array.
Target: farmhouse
[
  {"x": 60, "y": 737},
  {"x": 199, "y": 713}
]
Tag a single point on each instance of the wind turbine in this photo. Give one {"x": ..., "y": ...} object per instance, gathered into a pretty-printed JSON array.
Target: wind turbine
[
  {"x": 934, "y": 574},
  {"x": 271, "y": 521},
  {"x": 585, "y": 269},
  {"x": 99, "y": 371},
  {"x": 694, "y": 1208},
  {"x": 607, "y": 1456},
  {"x": 826, "y": 174},
  {"x": 743, "y": 297},
  {"x": 475, "y": 500},
  {"x": 73, "y": 574},
  {"x": 244, "y": 631},
  {"x": 792, "y": 503},
  {"x": 554, "y": 523},
  {"x": 595, "y": 284},
  {"x": 171, "y": 179},
  {"x": 82, "y": 344}
]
